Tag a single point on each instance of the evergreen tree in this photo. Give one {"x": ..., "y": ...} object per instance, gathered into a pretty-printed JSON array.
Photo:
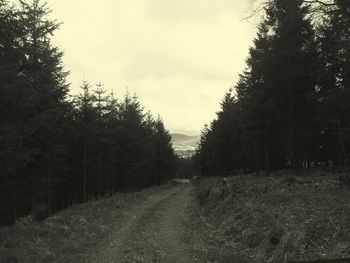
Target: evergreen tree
[
  {"x": 292, "y": 80},
  {"x": 113, "y": 151},
  {"x": 86, "y": 120},
  {"x": 34, "y": 91},
  {"x": 272, "y": 122},
  {"x": 55, "y": 152},
  {"x": 334, "y": 85},
  {"x": 220, "y": 145},
  {"x": 259, "y": 109},
  {"x": 14, "y": 108},
  {"x": 165, "y": 158}
]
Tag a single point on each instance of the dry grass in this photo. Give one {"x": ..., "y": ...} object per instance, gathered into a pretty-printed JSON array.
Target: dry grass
[
  {"x": 69, "y": 236},
  {"x": 279, "y": 218}
]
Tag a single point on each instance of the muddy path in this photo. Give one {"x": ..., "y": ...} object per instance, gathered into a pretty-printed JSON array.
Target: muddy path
[{"x": 154, "y": 231}]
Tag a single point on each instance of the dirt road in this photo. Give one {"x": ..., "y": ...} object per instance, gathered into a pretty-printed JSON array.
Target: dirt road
[
  {"x": 154, "y": 231},
  {"x": 158, "y": 224}
]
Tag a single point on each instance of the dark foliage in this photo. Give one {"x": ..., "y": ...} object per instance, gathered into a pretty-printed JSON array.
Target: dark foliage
[
  {"x": 291, "y": 106},
  {"x": 54, "y": 151}
]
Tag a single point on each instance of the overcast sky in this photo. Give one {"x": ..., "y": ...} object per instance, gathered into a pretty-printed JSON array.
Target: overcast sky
[{"x": 179, "y": 56}]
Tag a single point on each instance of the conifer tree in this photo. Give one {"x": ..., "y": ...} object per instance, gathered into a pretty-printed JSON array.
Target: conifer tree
[
  {"x": 271, "y": 122},
  {"x": 292, "y": 65},
  {"x": 55, "y": 151},
  {"x": 86, "y": 124},
  {"x": 334, "y": 85},
  {"x": 165, "y": 159}
]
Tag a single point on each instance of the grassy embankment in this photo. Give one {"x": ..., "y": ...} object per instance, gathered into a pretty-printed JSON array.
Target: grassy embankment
[
  {"x": 278, "y": 218},
  {"x": 71, "y": 235}
]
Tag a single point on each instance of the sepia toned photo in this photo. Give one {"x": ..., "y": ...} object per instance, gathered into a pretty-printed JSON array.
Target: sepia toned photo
[{"x": 175, "y": 131}]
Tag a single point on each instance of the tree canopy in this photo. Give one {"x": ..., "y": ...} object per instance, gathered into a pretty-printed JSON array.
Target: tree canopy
[
  {"x": 290, "y": 107},
  {"x": 54, "y": 150}
]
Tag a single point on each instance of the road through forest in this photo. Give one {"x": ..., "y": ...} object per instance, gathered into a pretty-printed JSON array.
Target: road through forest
[{"x": 156, "y": 230}]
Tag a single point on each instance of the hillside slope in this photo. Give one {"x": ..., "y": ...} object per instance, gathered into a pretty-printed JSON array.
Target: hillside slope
[
  {"x": 279, "y": 218},
  {"x": 182, "y": 142}
]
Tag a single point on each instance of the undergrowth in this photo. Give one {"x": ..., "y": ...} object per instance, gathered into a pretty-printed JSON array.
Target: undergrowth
[
  {"x": 279, "y": 218},
  {"x": 69, "y": 236}
]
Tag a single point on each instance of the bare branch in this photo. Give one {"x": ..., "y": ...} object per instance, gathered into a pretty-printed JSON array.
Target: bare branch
[{"x": 320, "y": 2}]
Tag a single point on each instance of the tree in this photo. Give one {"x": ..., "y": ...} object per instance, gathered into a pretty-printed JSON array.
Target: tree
[
  {"x": 219, "y": 149},
  {"x": 55, "y": 151},
  {"x": 271, "y": 121},
  {"x": 33, "y": 94},
  {"x": 165, "y": 158},
  {"x": 14, "y": 107},
  {"x": 292, "y": 74},
  {"x": 259, "y": 109},
  {"x": 334, "y": 85},
  {"x": 86, "y": 118}
]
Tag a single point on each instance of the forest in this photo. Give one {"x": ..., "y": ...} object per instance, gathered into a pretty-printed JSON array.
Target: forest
[
  {"x": 94, "y": 177},
  {"x": 57, "y": 149},
  {"x": 291, "y": 106}
]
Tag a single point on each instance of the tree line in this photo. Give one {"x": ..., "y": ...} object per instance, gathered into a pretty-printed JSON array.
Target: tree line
[
  {"x": 55, "y": 149},
  {"x": 291, "y": 105}
]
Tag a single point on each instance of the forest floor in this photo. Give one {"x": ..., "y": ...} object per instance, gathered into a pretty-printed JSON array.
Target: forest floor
[
  {"x": 280, "y": 218},
  {"x": 239, "y": 219},
  {"x": 160, "y": 224}
]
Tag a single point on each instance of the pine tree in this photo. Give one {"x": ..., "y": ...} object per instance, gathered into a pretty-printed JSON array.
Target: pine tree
[
  {"x": 85, "y": 121},
  {"x": 219, "y": 149},
  {"x": 33, "y": 97},
  {"x": 46, "y": 79},
  {"x": 258, "y": 107},
  {"x": 334, "y": 86},
  {"x": 102, "y": 143},
  {"x": 14, "y": 108},
  {"x": 272, "y": 119},
  {"x": 165, "y": 158},
  {"x": 113, "y": 151},
  {"x": 291, "y": 76},
  {"x": 53, "y": 151}
]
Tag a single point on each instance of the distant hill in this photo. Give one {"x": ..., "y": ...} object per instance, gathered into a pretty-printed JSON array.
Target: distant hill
[{"x": 185, "y": 145}]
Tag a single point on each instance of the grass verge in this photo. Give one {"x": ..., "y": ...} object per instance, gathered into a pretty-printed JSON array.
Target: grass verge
[
  {"x": 279, "y": 218},
  {"x": 71, "y": 235}
]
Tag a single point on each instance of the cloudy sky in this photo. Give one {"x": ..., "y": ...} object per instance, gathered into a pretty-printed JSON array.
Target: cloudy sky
[{"x": 179, "y": 56}]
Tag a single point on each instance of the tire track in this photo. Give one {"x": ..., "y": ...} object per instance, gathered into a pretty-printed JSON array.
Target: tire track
[{"x": 153, "y": 232}]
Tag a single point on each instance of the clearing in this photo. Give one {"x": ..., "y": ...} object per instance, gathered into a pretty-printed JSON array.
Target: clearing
[{"x": 240, "y": 219}]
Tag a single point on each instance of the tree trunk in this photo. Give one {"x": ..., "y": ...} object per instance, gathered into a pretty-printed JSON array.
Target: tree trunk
[
  {"x": 99, "y": 174},
  {"x": 267, "y": 155},
  {"x": 84, "y": 173},
  {"x": 48, "y": 183},
  {"x": 342, "y": 143},
  {"x": 256, "y": 153}
]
